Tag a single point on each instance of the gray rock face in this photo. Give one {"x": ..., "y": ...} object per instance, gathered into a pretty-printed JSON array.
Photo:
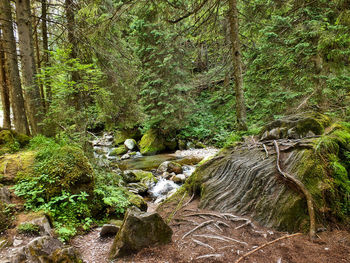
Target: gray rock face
[
  {"x": 130, "y": 144},
  {"x": 44, "y": 225},
  {"x": 109, "y": 230},
  {"x": 140, "y": 230},
  {"x": 45, "y": 249}
]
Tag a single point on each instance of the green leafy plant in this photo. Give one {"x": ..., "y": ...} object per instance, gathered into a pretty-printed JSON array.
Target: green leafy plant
[{"x": 28, "y": 229}]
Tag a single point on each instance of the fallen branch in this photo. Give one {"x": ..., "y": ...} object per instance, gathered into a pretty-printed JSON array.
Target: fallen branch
[
  {"x": 264, "y": 245},
  {"x": 202, "y": 244},
  {"x": 303, "y": 189},
  {"x": 222, "y": 238},
  {"x": 209, "y": 256},
  {"x": 197, "y": 227}
]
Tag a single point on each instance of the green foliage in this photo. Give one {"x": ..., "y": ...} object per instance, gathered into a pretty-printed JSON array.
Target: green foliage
[
  {"x": 60, "y": 175},
  {"x": 28, "y": 229},
  {"x": 111, "y": 195},
  {"x": 6, "y": 216}
]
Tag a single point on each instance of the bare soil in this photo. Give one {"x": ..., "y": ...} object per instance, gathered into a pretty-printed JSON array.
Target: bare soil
[{"x": 223, "y": 238}]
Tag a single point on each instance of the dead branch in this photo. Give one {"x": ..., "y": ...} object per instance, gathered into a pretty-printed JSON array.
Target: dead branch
[
  {"x": 202, "y": 244},
  {"x": 197, "y": 227},
  {"x": 264, "y": 245},
  {"x": 210, "y": 256},
  {"x": 245, "y": 224},
  {"x": 303, "y": 189},
  {"x": 222, "y": 238}
]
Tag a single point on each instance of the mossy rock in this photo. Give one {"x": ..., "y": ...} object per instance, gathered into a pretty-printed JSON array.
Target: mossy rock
[
  {"x": 298, "y": 126},
  {"x": 119, "y": 151},
  {"x": 72, "y": 172},
  {"x": 121, "y": 135},
  {"x": 11, "y": 141},
  {"x": 15, "y": 166},
  {"x": 152, "y": 143},
  {"x": 137, "y": 201},
  {"x": 144, "y": 176},
  {"x": 5, "y": 216}
]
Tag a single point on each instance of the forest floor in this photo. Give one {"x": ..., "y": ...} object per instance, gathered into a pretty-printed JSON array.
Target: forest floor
[{"x": 225, "y": 238}]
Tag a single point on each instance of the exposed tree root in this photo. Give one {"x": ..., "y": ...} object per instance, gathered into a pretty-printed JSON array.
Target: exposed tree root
[
  {"x": 206, "y": 214},
  {"x": 222, "y": 238},
  {"x": 197, "y": 227},
  {"x": 264, "y": 245},
  {"x": 202, "y": 244},
  {"x": 303, "y": 189},
  {"x": 210, "y": 256}
]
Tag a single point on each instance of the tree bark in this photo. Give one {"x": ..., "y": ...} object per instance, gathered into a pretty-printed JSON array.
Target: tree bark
[
  {"x": 38, "y": 58},
  {"x": 237, "y": 62},
  {"x": 5, "y": 96},
  {"x": 19, "y": 114},
  {"x": 69, "y": 6},
  {"x": 45, "y": 48},
  {"x": 35, "y": 109}
]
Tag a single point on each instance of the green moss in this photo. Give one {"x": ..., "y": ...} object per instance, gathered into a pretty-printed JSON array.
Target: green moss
[
  {"x": 137, "y": 201},
  {"x": 144, "y": 177},
  {"x": 121, "y": 135},
  {"x": 28, "y": 229},
  {"x": 5, "y": 216},
  {"x": 11, "y": 141},
  {"x": 119, "y": 151},
  {"x": 152, "y": 143}
]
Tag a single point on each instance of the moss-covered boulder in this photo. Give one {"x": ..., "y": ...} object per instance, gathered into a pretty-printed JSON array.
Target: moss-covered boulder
[
  {"x": 121, "y": 135},
  {"x": 140, "y": 230},
  {"x": 46, "y": 249},
  {"x": 11, "y": 141},
  {"x": 170, "y": 167},
  {"x": 16, "y": 165},
  {"x": 120, "y": 150},
  {"x": 152, "y": 142}
]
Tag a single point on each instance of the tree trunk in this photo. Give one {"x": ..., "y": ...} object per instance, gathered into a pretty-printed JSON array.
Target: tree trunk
[
  {"x": 237, "y": 62},
  {"x": 19, "y": 114},
  {"x": 35, "y": 109},
  {"x": 5, "y": 96},
  {"x": 45, "y": 48},
  {"x": 69, "y": 6},
  {"x": 38, "y": 58}
]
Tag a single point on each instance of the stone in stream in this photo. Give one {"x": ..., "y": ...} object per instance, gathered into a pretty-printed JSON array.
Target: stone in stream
[
  {"x": 45, "y": 249},
  {"x": 178, "y": 178},
  {"x": 140, "y": 230},
  {"x": 170, "y": 167},
  {"x": 130, "y": 144}
]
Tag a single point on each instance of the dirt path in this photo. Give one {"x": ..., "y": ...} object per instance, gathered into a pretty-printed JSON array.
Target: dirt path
[{"x": 224, "y": 238}]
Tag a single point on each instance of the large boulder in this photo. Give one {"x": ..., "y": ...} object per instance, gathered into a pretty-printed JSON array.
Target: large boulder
[
  {"x": 17, "y": 163},
  {"x": 45, "y": 249},
  {"x": 134, "y": 176},
  {"x": 140, "y": 230},
  {"x": 152, "y": 143}
]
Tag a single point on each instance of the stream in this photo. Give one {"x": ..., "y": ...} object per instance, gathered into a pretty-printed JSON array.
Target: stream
[{"x": 103, "y": 147}]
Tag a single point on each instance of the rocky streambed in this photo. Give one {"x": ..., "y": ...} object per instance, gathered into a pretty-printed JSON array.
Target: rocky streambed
[{"x": 154, "y": 177}]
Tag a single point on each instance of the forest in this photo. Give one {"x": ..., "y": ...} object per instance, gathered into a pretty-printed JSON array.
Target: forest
[{"x": 174, "y": 131}]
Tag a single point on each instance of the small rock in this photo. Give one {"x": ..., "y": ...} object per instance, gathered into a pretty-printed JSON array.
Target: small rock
[
  {"x": 109, "y": 230},
  {"x": 125, "y": 156},
  {"x": 130, "y": 144},
  {"x": 179, "y": 178}
]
